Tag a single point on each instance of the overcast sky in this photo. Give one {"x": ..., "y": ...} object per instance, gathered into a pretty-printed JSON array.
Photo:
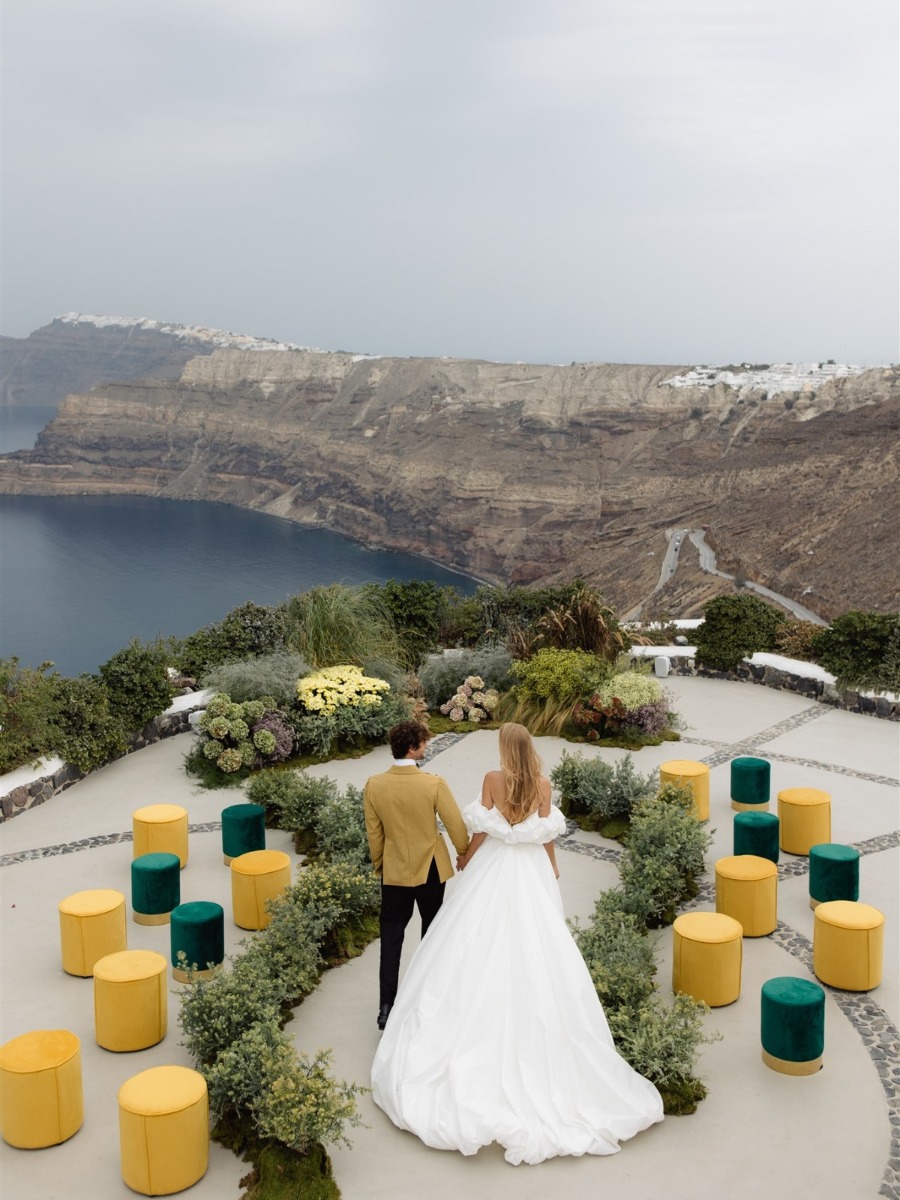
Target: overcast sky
[{"x": 664, "y": 181}]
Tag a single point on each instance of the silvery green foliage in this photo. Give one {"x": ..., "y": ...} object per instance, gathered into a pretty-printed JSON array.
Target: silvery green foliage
[
  {"x": 665, "y": 852},
  {"x": 340, "y": 829},
  {"x": 590, "y": 785},
  {"x": 440, "y": 674},
  {"x": 290, "y": 798},
  {"x": 272, "y": 675}
]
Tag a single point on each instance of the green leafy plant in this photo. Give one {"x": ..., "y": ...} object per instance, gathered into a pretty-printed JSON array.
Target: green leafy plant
[
  {"x": 862, "y": 649},
  {"x": 137, "y": 683},
  {"x": 415, "y": 607},
  {"x": 85, "y": 730},
  {"x": 562, "y": 675},
  {"x": 26, "y": 713},
  {"x": 664, "y": 855},
  {"x": 291, "y": 798},
  {"x": 599, "y": 795},
  {"x": 247, "y": 631},
  {"x": 735, "y": 627},
  {"x": 583, "y": 622}
]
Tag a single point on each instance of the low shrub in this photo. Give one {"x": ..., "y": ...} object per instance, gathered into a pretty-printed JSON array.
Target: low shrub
[
  {"x": 84, "y": 730},
  {"x": 342, "y": 705},
  {"x": 862, "y": 649},
  {"x": 795, "y": 639},
  {"x": 439, "y": 674},
  {"x": 661, "y": 1042},
  {"x": 26, "y": 713},
  {"x": 247, "y": 631},
  {"x": 596, "y": 790},
  {"x": 560, "y": 675},
  {"x": 664, "y": 855},
  {"x": 236, "y": 737},
  {"x": 618, "y": 954},
  {"x": 339, "y": 826},
  {"x": 137, "y": 683},
  {"x": 415, "y": 607},
  {"x": 291, "y": 798},
  {"x": 735, "y": 627},
  {"x": 272, "y": 675}
]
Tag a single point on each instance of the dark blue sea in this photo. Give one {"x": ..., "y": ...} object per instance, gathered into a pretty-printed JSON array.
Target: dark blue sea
[{"x": 80, "y": 576}]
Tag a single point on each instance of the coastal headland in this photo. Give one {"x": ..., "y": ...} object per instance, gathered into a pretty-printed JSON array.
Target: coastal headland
[{"x": 519, "y": 472}]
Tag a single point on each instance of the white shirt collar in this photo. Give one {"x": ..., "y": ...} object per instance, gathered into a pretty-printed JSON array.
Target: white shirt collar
[{"x": 405, "y": 762}]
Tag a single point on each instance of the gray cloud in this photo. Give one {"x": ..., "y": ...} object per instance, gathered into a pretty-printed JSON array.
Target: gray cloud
[{"x": 626, "y": 180}]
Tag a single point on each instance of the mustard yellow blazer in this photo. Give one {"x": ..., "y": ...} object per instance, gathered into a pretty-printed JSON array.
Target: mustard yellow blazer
[{"x": 401, "y": 807}]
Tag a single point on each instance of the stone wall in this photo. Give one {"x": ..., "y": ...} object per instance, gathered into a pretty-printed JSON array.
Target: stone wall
[
  {"x": 786, "y": 681},
  {"x": 29, "y": 795}
]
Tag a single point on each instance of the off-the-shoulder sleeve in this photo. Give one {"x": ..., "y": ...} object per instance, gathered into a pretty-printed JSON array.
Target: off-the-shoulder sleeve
[
  {"x": 477, "y": 817},
  {"x": 555, "y": 822}
]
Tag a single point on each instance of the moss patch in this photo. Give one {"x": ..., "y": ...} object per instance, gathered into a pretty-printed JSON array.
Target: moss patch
[
  {"x": 278, "y": 1173},
  {"x": 681, "y": 1097}
]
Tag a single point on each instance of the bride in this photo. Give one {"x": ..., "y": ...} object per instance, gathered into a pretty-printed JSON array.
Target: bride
[{"x": 497, "y": 1034}]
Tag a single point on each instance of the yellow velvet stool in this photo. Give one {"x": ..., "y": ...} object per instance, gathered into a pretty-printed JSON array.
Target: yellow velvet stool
[
  {"x": 805, "y": 819},
  {"x": 161, "y": 829},
  {"x": 848, "y": 945},
  {"x": 747, "y": 889},
  {"x": 41, "y": 1100},
  {"x": 256, "y": 877},
  {"x": 707, "y": 949},
  {"x": 131, "y": 1003},
  {"x": 164, "y": 1130},
  {"x": 695, "y": 775},
  {"x": 91, "y": 925}
]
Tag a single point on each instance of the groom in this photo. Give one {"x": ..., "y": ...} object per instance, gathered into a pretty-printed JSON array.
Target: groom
[{"x": 408, "y": 851}]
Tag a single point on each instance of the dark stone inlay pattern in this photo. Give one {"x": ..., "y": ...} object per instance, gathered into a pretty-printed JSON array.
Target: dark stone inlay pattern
[
  {"x": 91, "y": 843},
  {"x": 724, "y": 751}
]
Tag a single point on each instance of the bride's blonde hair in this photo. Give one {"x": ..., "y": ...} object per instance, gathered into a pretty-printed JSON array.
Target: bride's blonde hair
[{"x": 522, "y": 767}]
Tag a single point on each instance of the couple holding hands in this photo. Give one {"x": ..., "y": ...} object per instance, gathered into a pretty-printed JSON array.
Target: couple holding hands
[{"x": 496, "y": 1034}]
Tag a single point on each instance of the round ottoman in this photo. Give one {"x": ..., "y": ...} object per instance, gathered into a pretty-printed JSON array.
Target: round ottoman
[
  {"x": 41, "y": 1101},
  {"x": 164, "y": 1130},
  {"x": 161, "y": 828},
  {"x": 131, "y": 1004},
  {"x": 706, "y": 957},
  {"x": 256, "y": 878},
  {"x": 848, "y": 945},
  {"x": 155, "y": 888},
  {"x": 756, "y": 833},
  {"x": 243, "y": 830},
  {"x": 805, "y": 816},
  {"x": 750, "y": 784},
  {"x": 690, "y": 774},
  {"x": 833, "y": 873},
  {"x": 747, "y": 889},
  {"x": 792, "y": 1025},
  {"x": 197, "y": 932},
  {"x": 91, "y": 925}
]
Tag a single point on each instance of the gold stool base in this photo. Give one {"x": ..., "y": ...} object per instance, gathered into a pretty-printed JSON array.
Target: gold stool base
[
  {"x": 185, "y": 976},
  {"x": 151, "y": 918},
  {"x": 786, "y": 1067},
  {"x": 739, "y": 807}
]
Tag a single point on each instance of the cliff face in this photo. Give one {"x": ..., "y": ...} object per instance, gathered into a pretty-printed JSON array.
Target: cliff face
[{"x": 514, "y": 472}]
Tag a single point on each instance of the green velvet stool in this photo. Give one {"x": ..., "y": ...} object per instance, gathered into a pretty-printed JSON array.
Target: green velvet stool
[
  {"x": 750, "y": 778},
  {"x": 155, "y": 887},
  {"x": 756, "y": 833},
  {"x": 833, "y": 873},
  {"x": 792, "y": 1025},
  {"x": 243, "y": 830},
  {"x": 198, "y": 929}
]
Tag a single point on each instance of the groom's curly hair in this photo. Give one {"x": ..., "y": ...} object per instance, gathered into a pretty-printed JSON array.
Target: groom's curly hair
[{"x": 406, "y": 736}]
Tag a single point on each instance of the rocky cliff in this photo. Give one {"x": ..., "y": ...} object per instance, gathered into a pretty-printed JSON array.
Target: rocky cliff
[{"x": 518, "y": 473}]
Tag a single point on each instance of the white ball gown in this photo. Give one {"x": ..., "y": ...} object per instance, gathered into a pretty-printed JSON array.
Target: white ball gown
[{"x": 497, "y": 1034}]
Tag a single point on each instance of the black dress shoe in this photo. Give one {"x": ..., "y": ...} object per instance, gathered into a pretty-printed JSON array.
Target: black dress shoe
[{"x": 383, "y": 1013}]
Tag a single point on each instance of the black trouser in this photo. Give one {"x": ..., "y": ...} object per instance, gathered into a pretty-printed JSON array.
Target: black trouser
[{"x": 396, "y": 909}]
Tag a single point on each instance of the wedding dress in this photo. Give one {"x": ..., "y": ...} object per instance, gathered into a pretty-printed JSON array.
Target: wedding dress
[{"x": 497, "y": 1034}]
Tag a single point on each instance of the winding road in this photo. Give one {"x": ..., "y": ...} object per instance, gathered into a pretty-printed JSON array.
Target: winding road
[{"x": 708, "y": 564}]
